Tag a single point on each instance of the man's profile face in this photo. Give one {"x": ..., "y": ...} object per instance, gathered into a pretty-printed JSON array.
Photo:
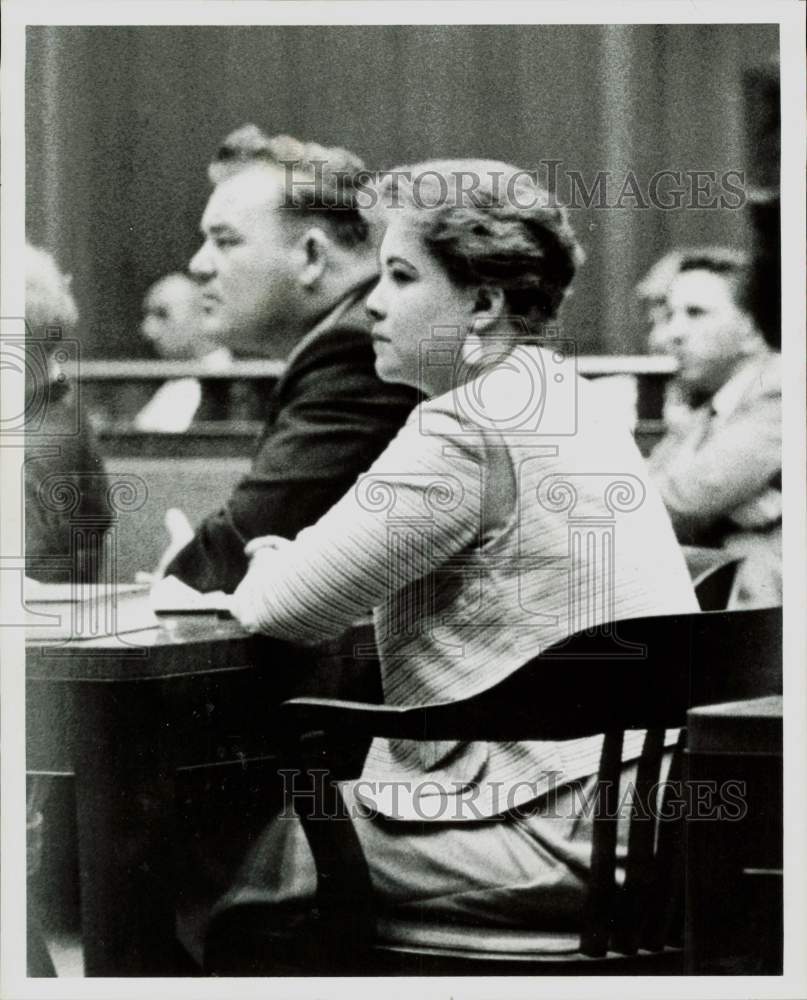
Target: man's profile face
[
  {"x": 245, "y": 265},
  {"x": 706, "y": 329},
  {"x": 172, "y": 317}
]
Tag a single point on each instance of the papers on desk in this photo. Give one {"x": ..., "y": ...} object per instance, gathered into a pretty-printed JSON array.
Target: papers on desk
[
  {"x": 57, "y": 611},
  {"x": 171, "y": 596},
  {"x": 70, "y": 593}
]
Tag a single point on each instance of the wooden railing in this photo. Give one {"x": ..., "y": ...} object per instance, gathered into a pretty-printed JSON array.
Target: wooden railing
[
  {"x": 157, "y": 371},
  {"x": 208, "y": 439},
  {"x": 114, "y": 391}
]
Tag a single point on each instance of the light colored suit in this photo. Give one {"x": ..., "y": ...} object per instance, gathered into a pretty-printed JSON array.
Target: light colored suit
[
  {"x": 505, "y": 516},
  {"x": 719, "y": 475}
]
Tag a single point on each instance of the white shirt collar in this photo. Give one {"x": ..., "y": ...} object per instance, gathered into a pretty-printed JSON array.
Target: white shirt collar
[{"x": 217, "y": 360}]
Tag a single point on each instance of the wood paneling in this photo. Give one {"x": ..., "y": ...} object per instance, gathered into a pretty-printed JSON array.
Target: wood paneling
[{"x": 121, "y": 122}]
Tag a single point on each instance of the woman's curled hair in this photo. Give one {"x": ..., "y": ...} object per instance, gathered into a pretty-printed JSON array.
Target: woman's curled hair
[{"x": 490, "y": 223}]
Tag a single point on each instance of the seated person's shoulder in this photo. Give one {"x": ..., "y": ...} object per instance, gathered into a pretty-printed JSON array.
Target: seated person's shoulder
[
  {"x": 333, "y": 345},
  {"x": 341, "y": 360}
]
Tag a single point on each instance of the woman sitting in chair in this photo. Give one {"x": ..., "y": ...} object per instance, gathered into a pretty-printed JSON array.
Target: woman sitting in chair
[{"x": 507, "y": 514}]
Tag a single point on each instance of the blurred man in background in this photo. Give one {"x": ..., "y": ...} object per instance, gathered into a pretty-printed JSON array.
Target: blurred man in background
[
  {"x": 651, "y": 293},
  {"x": 173, "y": 322},
  {"x": 620, "y": 393},
  {"x": 719, "y": 470},
  {"x": 284, "y": 267},
  {"x": 173, "y": 319}
]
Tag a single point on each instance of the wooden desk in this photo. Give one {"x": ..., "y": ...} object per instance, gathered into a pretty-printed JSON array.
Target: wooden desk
[
  {"x": 122, "y": 714},
  {"x": 734, "y": 912}
]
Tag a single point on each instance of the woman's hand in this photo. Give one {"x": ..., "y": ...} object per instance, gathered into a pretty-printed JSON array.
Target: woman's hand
[
  {"x": 246, "y": 600},
  {"x": 273, "y": 542}
]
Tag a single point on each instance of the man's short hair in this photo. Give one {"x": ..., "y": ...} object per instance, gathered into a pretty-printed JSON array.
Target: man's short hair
[
  {"x": 654, "y": 285},
  {"x": 749, "y": 282},
  {"x": 733, "y": 265},
  {"x": 319, "y": 180}
]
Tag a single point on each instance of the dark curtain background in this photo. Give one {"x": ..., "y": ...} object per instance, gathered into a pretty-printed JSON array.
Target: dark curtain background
[{"x": 121, "y": 122}]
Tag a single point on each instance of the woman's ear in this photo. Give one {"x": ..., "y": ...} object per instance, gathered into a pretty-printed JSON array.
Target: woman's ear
[
  {"x": 312, "y": 248},
  {"x": 489, "y": 307}
]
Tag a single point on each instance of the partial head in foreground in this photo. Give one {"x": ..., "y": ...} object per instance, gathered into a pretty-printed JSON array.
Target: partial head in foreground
[
  {"x": 49, "y": 302},
  {"x": 283, "y": 240},
  {"x": 50, "y": 315},
  {"x": 472, "y": 245}
]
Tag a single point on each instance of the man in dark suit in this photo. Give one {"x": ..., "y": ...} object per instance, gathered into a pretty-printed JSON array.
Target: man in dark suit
[
  {"x": 284, "y": 267},
  {"x": 286, "y": 262}
]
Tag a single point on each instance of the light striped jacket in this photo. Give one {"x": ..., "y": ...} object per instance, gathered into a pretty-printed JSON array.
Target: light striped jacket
[{"x": 505, "y": 516}]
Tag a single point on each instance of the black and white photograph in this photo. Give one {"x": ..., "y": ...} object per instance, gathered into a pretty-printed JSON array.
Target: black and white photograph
[{"x": 403, "y": 499}]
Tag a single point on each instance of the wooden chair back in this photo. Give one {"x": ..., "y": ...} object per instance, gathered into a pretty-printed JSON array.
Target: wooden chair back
[{"x": 640, "y": 674}]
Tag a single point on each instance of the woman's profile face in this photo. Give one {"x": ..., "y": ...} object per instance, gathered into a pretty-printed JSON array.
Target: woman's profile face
[{"x": 413, "y": 299}]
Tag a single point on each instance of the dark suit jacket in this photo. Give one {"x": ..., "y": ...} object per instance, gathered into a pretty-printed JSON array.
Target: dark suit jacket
[{"x": 330, "y": 417}]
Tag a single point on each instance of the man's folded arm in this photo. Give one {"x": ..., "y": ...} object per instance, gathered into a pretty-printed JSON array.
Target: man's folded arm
[{"x": 734, "y": 466}]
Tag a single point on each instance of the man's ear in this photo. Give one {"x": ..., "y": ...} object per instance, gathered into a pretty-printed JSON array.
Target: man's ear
[
  {"x": 489, "y": 307},
  {"x": 752, "y": 339},
  {"x": 313, "y": 249}
]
